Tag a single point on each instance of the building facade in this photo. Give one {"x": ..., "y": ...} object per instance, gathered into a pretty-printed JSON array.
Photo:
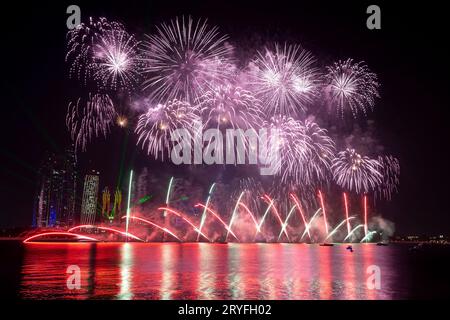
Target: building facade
[{"x": 89, "y": 201}]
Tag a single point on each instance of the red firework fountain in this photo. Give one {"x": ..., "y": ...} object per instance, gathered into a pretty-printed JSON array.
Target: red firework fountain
[
  {"x": 365, "y": 216},
  {"x": 346, "y": 213},
  {"x": 210, "y": 231}
]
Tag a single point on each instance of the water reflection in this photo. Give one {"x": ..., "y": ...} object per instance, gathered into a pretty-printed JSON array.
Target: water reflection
[
  {"x": 207, "y": 271},
  {"x": 126, "y": 264}
]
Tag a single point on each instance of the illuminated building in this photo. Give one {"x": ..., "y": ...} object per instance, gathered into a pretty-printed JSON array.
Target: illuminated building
[
  {"x": 106, "y": 203},
  {"x": 117, "y": 208},
  {"x": 89, "y": 201},
  {"x": 54, "y": 203}
]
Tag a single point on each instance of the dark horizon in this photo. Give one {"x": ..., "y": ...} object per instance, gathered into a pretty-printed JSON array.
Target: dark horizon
[{"x": 407, "y": 54}]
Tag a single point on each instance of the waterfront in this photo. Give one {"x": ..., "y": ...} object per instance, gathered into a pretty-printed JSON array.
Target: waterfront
[{"x": 220, "y": 271}]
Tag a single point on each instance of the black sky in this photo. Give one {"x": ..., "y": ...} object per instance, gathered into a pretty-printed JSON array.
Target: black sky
[{"x": 408, "y": 54}]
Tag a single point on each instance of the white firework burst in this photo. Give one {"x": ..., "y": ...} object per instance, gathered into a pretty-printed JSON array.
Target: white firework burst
[
  {"x": 89, "y": 118},
  {"x": 357, "y": 173},
  {"x": 285, "y": 80},
  {"x": 184, "y": 59},
  {"x": 156, "y": 126},
  {"x": 351, "y": 86},
  {"x": 116, "y": 60},
  {"x": 229, "y": 105}
]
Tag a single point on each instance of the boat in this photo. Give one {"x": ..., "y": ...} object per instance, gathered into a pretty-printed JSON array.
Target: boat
[
  {"x": 326, "y": 244},
  {"x": 382, "y": 244}
]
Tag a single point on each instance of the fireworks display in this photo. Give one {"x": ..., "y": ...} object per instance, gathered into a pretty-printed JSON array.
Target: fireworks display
[
  {"x": 356, "y": 173},
  {"x": 228, "y": 105},
  {"x": 188, "y": 74},
  {"x": 155, "y": 127},
  {"x": 321, "y": 153},
  {"x": 351, "y": 87},
  {"x": 292, "y": 144},
  {"x": 116, "y": 61},
  {"x": 184, "y": 59},
  {"x": 390, "y": 169},
  {"x": 81, "y": 42},
  {"x": 89, "y": 118},
  {"x": 252, "y": 216},
  {"x": 285, "y": 80}
]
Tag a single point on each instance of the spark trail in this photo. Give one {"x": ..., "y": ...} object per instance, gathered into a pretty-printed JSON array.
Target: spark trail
[
  {"x": 234, "y": 214},
  {"x": 275, "y": 211},
  {"x": 338, "y": 226},
  {"x": 353, "y": 231},
  {"x": 297, "y": 202},
  {"x": 169, "y": 210},
  {"x": 322, "y": 204},
  {"x": 218, "y": 218},
  {"x": 156, "y": 226},
  {"x": 346, "y": 213},
  {"x": 310, "y": 222},
  {"x": 211, "y": 190},
  {"x": 366, "y": 237}
]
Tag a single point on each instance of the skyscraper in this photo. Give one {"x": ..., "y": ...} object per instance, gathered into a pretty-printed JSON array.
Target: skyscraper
[
  {"x": 106, "y": 203},
  {"x": 89, "y": 201},
  {"x": 117, "y": 208},
  {"x": 56, "y": 191}
]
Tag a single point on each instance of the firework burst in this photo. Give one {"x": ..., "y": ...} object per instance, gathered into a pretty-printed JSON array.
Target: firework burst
[
  {"x": 391, "y": 176},
  {"x": 90, "y": 118},
  {"x": 228, "y": 105},
  {"x": 116, "y": 60},
  {"x": 285, "y": 80},
  {"x": 81, "y": 42},
  {"x": 357, "y": 173},
  {"x": 156, "y": 126},
  {"x": 185, "y": 59},
  {"x": 322, "y": 150},
  {"x": 292, "y": 146},
  {"x": 351, "y": 86}
]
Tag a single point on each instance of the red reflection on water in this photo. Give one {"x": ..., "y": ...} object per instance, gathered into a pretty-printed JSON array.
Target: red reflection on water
[
  {"x": 369, "y": 261},
  {"x": 199, "y": 271},
  {"x": 349, "y": 275},
  {"x": 326, "y": 278}
]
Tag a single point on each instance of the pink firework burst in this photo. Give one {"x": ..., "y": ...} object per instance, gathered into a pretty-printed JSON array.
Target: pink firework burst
[
  {"x": 351, "y": 86},
  {"x": 184, "y": 59},
  {"x": 229, "y": 105},
  {"x": 81, "y": 42},
  {"x": 116, "y": 60},
  {"x": 156, "y": 126},
  {"x": 285, "y": 80},
  {"x": 355, "y": 172},
  {"x": 89, "y": 118}
]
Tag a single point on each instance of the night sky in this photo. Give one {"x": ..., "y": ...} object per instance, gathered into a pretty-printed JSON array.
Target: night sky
[{"x": 407, "y": 54}]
